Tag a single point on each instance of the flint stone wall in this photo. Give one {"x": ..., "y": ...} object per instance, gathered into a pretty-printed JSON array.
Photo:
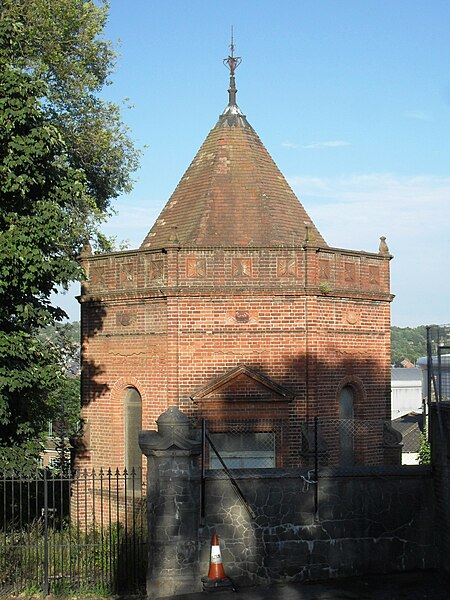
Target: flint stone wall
[{"x": 368, "y": 521}]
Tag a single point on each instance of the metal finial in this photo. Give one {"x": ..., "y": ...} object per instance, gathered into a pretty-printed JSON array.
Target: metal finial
[{"x": 232, "y": 62}]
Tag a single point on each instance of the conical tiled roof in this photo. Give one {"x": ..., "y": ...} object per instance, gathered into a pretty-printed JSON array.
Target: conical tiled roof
[{"x": 233, "y": 194}]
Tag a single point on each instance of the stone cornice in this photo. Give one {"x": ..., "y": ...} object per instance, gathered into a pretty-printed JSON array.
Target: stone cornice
[{"x": 229, "y": 292}]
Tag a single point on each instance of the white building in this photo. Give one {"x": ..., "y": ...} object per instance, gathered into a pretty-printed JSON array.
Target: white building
[
  {"x": 406, "y": 391},
  {"x": 441, "y": 374}
]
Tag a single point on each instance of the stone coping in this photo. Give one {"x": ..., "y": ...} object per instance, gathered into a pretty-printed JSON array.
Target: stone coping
[{"x": 325, "y": 472}]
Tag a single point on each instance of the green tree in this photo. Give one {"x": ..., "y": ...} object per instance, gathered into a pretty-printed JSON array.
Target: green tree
[
  {"x": 46, "y": 213},
  {"x": 61, "y": 42},
  {"x": 64, "y": 154},
  {"x": 65, "y": 400},
  {"x": 408, "y": 343}
]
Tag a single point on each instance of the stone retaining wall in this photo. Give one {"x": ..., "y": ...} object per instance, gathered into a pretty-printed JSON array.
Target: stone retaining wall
[
  {"x": 363, "y": 520},
  {"x": 368, "y": 521}
]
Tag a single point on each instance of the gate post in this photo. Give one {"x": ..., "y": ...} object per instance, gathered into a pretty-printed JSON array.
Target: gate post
[{"x": 173, "y": 503}]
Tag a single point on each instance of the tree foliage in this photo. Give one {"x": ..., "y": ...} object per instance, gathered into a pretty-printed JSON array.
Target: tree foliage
[
  {"x": 64, "y": 154},
  {"x": 408, "y": 343},
  {"x": 424, "y": 450},
  {"x": 44, "y": 218},
  {"x": 61, "y": 43}
]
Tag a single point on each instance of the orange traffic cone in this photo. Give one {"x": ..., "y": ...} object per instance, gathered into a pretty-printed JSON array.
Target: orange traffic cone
[
  {"x": 215, "y": 564},
  {"x": 216, "y": 579}
]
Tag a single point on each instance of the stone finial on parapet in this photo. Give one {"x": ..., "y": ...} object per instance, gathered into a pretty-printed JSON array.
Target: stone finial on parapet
[
  {"x": 310, "y": 238},
  {"x": 86, "y": 250},
  {"x": 383, "y": 248},
  {"x": 172, "y": 240}
]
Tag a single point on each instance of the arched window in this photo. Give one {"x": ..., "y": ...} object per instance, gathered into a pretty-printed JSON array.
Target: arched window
[
  {"x": 346, "y": 425},
  {"x": 132, "y": 428}
]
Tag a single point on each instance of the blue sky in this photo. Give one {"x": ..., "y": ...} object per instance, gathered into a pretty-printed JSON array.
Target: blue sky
[{"x": 350, "y": 97}]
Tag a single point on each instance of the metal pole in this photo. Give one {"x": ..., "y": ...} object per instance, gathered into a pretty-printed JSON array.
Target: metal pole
[
  {"x": 439, "y": 357},
  {"x": 432, "y": 380},
  {"x": 118, "y": 536},
  {"x": 202, "y": 489},
  {"x": 45, "y": 585},
  {"x": 102, "y": 531},
  {"x": 233, "y": 482},
  {"x": 429, "y": 374},
  {"x": 316, "y": 469}
]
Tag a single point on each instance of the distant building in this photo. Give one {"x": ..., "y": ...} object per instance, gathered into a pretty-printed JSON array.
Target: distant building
[
  {"x": 406, "y": 364},
  {"x": 441, "y": 379},
  {"x": 406, "y": 391},
  {"x": 410, "y": 426}
]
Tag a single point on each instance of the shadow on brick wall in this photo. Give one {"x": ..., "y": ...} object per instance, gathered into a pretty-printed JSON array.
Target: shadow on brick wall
[
  {"x": 258, "y": 399},
  {"x": 92, "y": 318},
  {"x": 92, "y": 323}
]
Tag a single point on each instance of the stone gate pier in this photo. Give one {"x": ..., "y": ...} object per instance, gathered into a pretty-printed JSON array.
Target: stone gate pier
[{"x": 173, "y": 484}]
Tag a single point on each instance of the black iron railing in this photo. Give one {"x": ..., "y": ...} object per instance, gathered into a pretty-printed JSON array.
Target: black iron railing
[{"x": 62, "y": 533}]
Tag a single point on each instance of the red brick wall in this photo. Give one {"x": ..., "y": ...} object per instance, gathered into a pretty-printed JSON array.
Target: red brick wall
[{"x": 168, "y": 323}]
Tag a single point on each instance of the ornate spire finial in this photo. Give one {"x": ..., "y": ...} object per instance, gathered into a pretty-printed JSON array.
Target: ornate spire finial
[{"x": 232, "y": 62}]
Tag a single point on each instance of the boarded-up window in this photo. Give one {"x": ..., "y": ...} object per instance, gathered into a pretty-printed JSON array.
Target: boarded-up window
[
  {"x": 244, "y": 450},
  {"x": 132, "y": 428}
]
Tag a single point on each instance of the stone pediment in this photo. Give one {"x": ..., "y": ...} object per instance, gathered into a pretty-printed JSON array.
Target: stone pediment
[{"x": 242, "y": 384}]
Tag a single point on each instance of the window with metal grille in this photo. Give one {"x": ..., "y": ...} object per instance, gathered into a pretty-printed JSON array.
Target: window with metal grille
[{"x": 243, "y": 450}]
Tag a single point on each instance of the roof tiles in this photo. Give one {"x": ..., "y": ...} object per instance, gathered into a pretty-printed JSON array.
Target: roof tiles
[{"x": 232, "y": 194}]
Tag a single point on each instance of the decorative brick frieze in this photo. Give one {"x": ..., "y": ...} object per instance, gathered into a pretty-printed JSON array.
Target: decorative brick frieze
[
  {"x": 125, "y": 318},
  {"x": 155, "y": 270},
  {"x": 350, "y": 274},
  {"x": 374, "y": 275},
  {"x": 97, "y": 273},
  {"x": 241, "y": 267},
  {"x": 126, "y": 274},
  {"x": 195, "y": 267},
  {"x": 352, "y": 316},
  {"x": 325, "y": 270},
  {"x": 286, "y": 267}
]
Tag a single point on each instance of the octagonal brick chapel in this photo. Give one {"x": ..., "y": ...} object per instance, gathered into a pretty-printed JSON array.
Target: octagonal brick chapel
[{"x": 235, "y": 309}]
